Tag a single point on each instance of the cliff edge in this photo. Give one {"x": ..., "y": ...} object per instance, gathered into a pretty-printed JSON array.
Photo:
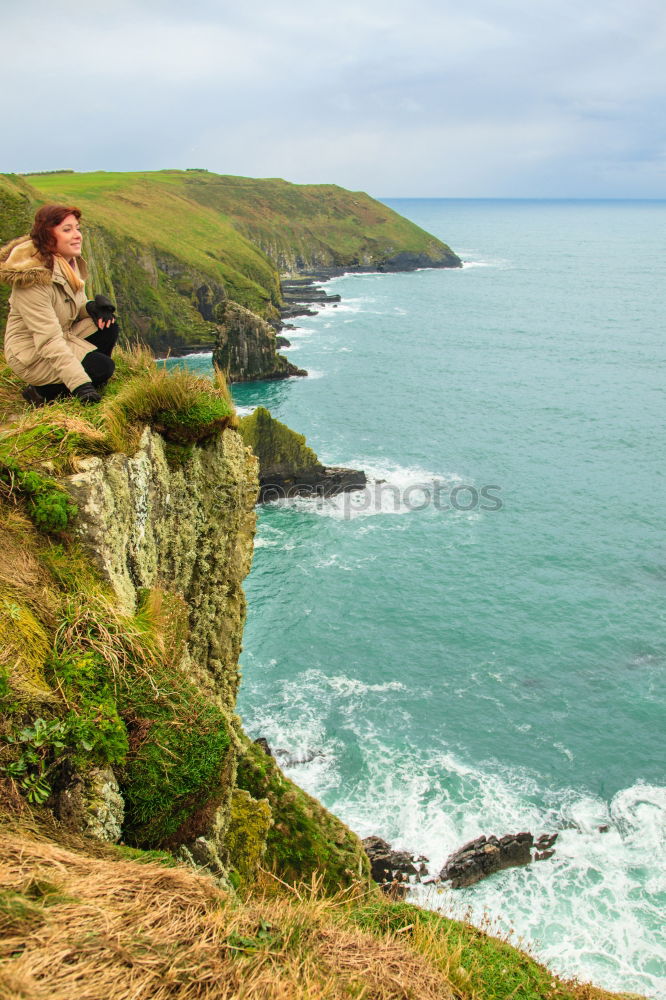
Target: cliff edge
[{"x": 128, "y": 530}]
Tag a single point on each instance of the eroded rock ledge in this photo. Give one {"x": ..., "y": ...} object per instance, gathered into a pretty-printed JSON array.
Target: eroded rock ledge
[
  {"x": 287, "y": 466},
  {"x": 246, "y": 347},
  {"x": 394, "y": 870}
]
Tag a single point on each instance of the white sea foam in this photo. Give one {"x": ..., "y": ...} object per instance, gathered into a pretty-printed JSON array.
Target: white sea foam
[
  {"x": 588, "y": 911},
  {"x": 391, "y": 489},
  {"x": 300, "y": 334},
  {"x": 245, "y": 411},
  {"x": 500, "y": 263},
  {"x": 357, "y": 274},
  {"x": 183, "y": 358},
  {"x": 352, "y": 686},
  {"x": 265, "y": 543},
  {"x": 351, "y": 305}
]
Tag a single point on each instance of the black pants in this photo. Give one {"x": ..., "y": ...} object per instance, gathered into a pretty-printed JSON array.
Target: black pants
[{"x": 98, "y": 364}]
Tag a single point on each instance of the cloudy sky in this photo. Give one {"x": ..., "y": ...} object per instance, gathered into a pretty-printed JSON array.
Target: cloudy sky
[{"x": 523, "y": 98}]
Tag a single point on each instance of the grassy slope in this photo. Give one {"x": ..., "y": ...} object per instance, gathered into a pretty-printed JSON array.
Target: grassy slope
[
  {"x": 81, "y": 920},
  {"x": 154, "y": 210},
  {"x": 195, "y": 211},
  {"x": 283, "y": 218}
]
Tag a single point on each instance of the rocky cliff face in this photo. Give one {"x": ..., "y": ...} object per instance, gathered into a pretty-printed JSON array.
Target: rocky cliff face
[
  {"x": 122, "y": 614},
  {"x": 186, "y": 530},
  {"x": 162, "y": 300},
  {"x": 246, "y": 348}
]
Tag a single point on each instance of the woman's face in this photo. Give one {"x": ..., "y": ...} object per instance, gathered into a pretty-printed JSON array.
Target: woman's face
[{"x": 68, "y": 237}]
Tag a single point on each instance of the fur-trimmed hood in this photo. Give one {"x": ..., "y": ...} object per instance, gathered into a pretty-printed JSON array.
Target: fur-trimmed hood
[{"x": 22, "y": 266}]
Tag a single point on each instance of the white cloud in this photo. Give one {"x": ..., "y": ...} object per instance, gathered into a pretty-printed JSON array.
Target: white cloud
[{"x": 500, "y": 97}]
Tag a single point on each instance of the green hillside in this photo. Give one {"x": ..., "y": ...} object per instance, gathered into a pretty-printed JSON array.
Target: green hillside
[
  {"x": 172, "y": 246},
  {"x": 154, "y": 210},
  {"x": 314, "y": 224},
  {"x": 310, "y": 225}
]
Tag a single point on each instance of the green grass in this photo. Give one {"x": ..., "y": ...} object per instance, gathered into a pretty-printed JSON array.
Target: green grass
[
  {"x": 478, "y": 963},
  {"x": 341, "y": 227}
]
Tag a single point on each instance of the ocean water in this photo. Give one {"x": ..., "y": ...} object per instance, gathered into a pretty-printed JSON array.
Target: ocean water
[{"x": 476, "y": 643}]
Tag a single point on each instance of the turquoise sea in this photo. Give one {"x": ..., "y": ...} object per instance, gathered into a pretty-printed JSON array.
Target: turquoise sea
[{"x": 476, "y": 644}]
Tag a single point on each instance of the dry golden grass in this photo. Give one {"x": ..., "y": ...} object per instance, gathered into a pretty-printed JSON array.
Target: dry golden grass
[
  {"x": 11, "y": 401},
  {"x": 78, "y": 927},
  {"x": 19, "y": 567},
  {"x": 221, "y": 383}
]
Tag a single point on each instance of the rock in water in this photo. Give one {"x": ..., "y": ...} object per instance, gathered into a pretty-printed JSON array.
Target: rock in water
[
  {"x": 391, "y": 869},
  {"x": 287, "y": 466},
  {"x": 484, "y": 856}
]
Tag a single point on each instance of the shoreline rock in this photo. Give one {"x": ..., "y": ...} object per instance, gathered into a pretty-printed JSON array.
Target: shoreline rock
[
  {"x": 319, "y": 481},
  {"x": 485, "y": 856},
  {"x": 246, "y": 347},
  {"x": 287, "y": 466},
  {"x": 393, "y": 870}
]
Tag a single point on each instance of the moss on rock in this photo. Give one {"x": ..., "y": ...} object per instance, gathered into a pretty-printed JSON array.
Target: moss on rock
[
  {"x": 172, "y": 779},
  {"x": 245, "y": 839},
  {"x": 280, "y": 450},
  {"x": 305, "y": 838}
]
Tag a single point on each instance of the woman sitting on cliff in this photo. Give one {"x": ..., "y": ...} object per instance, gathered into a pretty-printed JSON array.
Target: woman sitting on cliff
[{"x": 55, "y": 340}]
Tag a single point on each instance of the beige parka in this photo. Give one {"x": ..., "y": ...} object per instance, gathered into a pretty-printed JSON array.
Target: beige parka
[{"x": 45, "y": 340}]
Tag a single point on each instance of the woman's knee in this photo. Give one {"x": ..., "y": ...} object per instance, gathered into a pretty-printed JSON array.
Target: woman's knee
[
  {"x": 105, "y": 339},
  {"x": 99, "y": 366}
]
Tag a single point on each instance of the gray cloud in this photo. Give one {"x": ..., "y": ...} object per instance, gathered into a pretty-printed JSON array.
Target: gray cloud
[{"x": 517, "y": 98}]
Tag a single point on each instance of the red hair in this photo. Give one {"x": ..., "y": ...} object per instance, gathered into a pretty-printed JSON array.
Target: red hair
[{"x": 46, "y": 219}]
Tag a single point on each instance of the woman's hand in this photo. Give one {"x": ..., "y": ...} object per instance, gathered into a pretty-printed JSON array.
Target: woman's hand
[{"x": 102, "y": 311}]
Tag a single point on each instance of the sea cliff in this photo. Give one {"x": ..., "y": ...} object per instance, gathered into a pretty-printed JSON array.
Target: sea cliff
[
  {"x": 136, "y": 530},
  {"x": 148, "y": 848}
]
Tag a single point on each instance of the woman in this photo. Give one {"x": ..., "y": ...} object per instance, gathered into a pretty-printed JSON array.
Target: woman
[{"x": 55, "y": 340}]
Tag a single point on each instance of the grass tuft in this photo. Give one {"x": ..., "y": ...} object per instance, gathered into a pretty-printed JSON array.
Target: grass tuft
[{"x": 184, "y": 408}]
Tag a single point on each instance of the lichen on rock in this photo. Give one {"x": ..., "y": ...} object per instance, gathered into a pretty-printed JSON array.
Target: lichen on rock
[{"x": 92, "y": 804}]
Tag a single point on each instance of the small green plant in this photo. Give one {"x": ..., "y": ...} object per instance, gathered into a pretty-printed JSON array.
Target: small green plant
[
  {"x": 266, "y": 938},
  {"x": 48, "y": 504},
  {"x": 41, "y": 745},
  {"x": 94, "y": 729},
  {"x": 5, "y": 687}
]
